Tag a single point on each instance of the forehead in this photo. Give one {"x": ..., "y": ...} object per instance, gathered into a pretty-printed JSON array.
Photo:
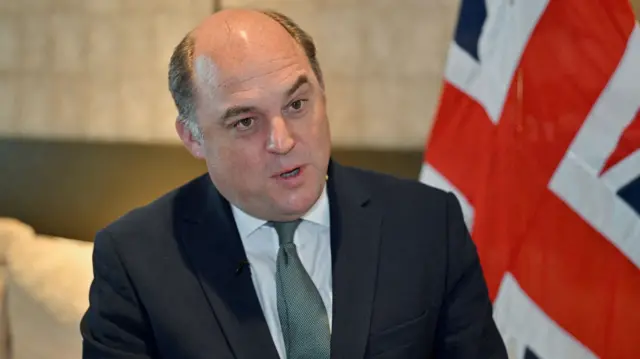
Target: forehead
[
  {"x": 241, "y": 46},
  {"x": 250, "y": 72}
]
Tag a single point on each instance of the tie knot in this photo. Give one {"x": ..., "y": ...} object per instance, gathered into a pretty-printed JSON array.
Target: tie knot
[{"x": 286, "y": 230}]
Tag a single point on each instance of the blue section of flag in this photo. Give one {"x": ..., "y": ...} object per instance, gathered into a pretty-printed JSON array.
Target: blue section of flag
[
  {"x": 473, "y": 14},
  {"x": 529, "y": 354},
  {"x": 630, "y": 193}
]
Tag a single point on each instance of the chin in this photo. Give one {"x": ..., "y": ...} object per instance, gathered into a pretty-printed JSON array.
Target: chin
[{"x": 302, "y": 200}]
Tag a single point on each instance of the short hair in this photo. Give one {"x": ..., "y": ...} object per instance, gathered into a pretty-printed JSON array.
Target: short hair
[{"x": 182, "y": 78}]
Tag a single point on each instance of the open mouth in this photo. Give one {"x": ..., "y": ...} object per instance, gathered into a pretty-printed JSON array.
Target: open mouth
[{"x": 291, "y": 173}]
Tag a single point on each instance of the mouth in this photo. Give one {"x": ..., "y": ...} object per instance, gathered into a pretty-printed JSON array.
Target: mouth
[{"x": 294, "y": 172}]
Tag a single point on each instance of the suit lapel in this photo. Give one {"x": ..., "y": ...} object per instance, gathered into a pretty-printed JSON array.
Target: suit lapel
[
  {"x": 355, "y": 238},
  {"x": 214, "y": 247}
]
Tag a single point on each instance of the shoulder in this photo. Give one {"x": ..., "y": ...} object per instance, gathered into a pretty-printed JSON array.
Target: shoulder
[
  {"x": 406, "y": 200},
  {"x": 397, "y": 191},
  {"x": 156, "y": 218}
]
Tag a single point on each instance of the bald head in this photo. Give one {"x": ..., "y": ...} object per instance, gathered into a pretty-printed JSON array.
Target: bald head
[
  {"x": 232, "y": 42},
  {"x": 229, "y": 35},
  {"x": 235, "y": 44}
]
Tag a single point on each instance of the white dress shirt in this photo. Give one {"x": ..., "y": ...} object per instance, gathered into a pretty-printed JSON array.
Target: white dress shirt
[{"x": 261, "y": 244}]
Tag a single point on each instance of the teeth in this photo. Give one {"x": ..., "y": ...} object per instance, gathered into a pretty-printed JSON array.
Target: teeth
[{"x": 290, "y": 174}]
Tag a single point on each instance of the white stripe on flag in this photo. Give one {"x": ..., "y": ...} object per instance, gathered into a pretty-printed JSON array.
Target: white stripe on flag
[
  {"x": 615, "y": 109},
  {"x": 523, "y": 325},
  {"x": 577, "y": 181},
  {"x": 623, "y": 172},
  {"x": 432, "y": 177},
  {"x": 504, "y": 37}
]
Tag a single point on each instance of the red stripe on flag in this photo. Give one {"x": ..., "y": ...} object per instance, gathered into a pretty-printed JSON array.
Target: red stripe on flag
[
  {"x": 460, "y": 137},
  {"x": 460, "y": 148},
  {"x": 568, "y": 61},
  {"x": 580, "y": 280},
  {"x": 629, "y": 142}
]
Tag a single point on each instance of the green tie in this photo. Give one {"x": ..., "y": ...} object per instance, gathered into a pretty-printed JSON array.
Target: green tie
[{"x": 303, "y": 316}]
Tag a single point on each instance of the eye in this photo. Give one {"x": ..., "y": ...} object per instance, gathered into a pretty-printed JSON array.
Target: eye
[
  {"x": 297, "y": 105},
  {"x": 244, "y": 124}
]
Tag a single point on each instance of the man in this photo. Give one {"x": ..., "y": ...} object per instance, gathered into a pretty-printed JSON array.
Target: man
[{"x": 279, "y": 252}]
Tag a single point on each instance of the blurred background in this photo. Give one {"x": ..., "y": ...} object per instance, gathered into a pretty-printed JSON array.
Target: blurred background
[{"x": 87, "y": 121}]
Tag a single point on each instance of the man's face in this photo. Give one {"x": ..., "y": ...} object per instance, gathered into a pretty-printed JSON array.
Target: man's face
[{"x": 265, "y": 128}]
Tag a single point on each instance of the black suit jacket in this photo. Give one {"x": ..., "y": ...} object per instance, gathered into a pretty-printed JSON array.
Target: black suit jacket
[{"x": 168, "y": 280}]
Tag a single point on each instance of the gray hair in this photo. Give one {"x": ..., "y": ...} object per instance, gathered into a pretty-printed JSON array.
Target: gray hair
[{"x": 182, "y": 82}]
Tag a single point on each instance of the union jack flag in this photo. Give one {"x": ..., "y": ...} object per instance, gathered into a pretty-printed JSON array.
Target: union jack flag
[{"x": 538, "y": 134}]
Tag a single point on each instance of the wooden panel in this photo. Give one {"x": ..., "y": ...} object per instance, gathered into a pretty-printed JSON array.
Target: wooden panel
[{"x": 72, "y": 189}]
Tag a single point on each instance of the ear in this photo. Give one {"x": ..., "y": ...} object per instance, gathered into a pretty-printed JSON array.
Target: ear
[{"x": 192, "y": 144}]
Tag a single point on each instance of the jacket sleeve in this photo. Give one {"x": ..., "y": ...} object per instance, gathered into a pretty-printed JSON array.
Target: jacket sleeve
[
  {"x": 114, "y": 326},
  {"x": 466, "y": 329}
]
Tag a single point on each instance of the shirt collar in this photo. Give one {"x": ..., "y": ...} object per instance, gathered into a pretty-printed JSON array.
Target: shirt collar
[{"x": 318, "y": 214}]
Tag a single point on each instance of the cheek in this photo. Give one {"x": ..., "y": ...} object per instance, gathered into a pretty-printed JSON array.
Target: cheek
[
  {"x": 317, "y": 128},
  {"x": 320, "y": 130},
  {"x": 235, "y": 162}
]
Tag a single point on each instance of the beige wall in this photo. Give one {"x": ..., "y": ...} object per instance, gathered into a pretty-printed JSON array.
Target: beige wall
[
  {"x": 90, "y": 68},
  {"x": 97, "y": 68}
]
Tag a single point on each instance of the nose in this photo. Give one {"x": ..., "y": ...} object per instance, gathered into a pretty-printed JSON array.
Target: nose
[{"x": 280, "y": 140}]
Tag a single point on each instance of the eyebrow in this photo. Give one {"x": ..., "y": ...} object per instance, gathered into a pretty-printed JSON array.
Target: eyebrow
[
  {"x": 239, "y": 110},
  {"x": 302, "y": 80}
]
